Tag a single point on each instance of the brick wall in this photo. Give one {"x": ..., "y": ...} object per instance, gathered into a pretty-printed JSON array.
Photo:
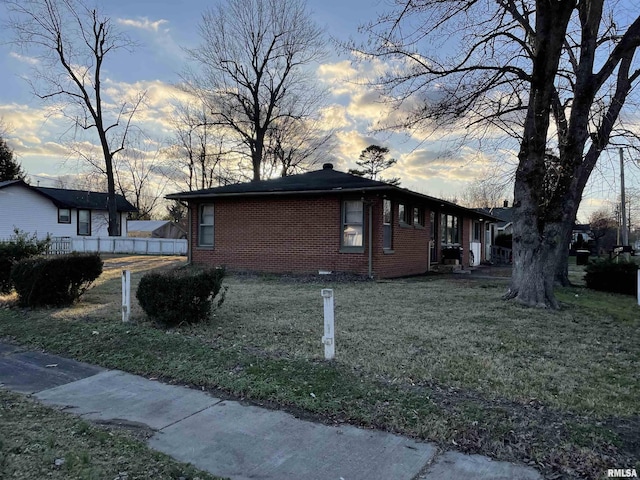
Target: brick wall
[{"x": 302, "y": 235}]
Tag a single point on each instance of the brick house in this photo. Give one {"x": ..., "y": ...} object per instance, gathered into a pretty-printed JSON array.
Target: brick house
[{"x": 326, "y": 220}]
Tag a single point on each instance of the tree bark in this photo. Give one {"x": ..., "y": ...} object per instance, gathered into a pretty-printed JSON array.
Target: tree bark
[{"x": 538, "y": 230}]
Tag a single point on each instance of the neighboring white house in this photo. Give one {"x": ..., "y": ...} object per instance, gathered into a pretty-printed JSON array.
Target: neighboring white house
[{"x": 56, "y": 212}]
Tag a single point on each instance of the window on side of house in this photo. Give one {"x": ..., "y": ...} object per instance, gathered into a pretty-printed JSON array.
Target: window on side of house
[
  {"x": 84, "y": 222},
  {"x": 404, "y": 214},
  {"x": 450, "y": 225},
  {"x": 205, "y": 226},
  {"x": 64, "y": 215},
  {"x": 418, "y": 216},
  {"x": 352, "y": 223},
  {"x": 387, "y": 221}
]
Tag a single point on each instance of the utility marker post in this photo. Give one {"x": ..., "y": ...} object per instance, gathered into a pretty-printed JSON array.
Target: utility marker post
[
  {"x": 126, "y": 295},
  {"x": 638, "y": 283},
  {"x": 329, "y": 332}
]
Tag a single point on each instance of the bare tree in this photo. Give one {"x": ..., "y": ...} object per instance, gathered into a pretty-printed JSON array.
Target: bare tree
[
  {"x": 486, "y": 192},
  {"x": 200, "y": 149},
  {"x": 140, "y": 177},
  {"x": 294, "y": 146},
  {"x": 521, "y": 67},
  {"x": 72, "y": 41},
  {"x": 602, "y": 224},
  {"x": 253, "y": 68}
]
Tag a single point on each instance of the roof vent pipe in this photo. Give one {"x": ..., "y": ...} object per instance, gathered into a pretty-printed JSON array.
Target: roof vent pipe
[
  {"x": 506, "y": 204},
  {"x": 327, "y": 166}
]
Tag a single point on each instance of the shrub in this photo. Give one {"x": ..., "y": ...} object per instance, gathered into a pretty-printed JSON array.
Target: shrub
[
  {"x": 54, "y": 281},
  {"x": 20, "y": 245},
  {"x": 611, "y": 276},
  {"x": 183, "y": 295}
]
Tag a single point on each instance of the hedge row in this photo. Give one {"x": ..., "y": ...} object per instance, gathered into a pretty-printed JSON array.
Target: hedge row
[
  {"x": 54, "y": 281},
  {"x": 612, "y": 276}
]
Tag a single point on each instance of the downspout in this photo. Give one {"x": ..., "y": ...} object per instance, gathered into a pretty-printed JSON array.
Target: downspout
[{"x": 370, "y": 239}]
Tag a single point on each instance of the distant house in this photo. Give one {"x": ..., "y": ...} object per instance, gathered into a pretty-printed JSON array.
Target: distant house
[
  {"x": 154, "y": 229},
  {"x": 504, "y": 225},
  {"x": 328, "y": 221},
  {"x": 56, "y": 212}
]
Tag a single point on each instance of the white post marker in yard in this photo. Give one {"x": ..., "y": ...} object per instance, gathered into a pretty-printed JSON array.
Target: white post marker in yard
[
  {"x": 126, "y": 295},
  {"x": 329, "y": 333},
  {"x": 638, "y": 283}
]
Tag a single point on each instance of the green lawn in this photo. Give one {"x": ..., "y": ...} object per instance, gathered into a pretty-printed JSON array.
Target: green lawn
[{"x": 441, "y": 357}]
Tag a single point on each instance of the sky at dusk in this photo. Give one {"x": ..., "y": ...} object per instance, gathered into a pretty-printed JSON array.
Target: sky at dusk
[{"x": 163, "y": 28}]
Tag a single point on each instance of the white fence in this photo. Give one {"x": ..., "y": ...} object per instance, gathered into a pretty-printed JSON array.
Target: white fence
[{"x": 139, "y": 246}]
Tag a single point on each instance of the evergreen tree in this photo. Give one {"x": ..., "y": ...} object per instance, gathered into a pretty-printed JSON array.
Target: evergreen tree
[
  {"x": 372, "y": 162},
  {"x": 10, "y": 169}
]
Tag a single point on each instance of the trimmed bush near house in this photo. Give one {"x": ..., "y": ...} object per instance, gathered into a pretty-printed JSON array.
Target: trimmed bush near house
[
  {"x": 20, "y": 245},
  {"x": 54, "y": 281},
  {"x": 183, "y": 295},
  {"x": 611, "y": 276}
]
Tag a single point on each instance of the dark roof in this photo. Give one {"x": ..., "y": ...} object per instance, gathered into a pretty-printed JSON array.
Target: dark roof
[
  {"x": 581, "y": 227},
  {"x": 7, "y": 183},
  {"x": 504, "y": 214},
  {"x": 63, "y": 198},
  {"x": 326, "y": 180}
]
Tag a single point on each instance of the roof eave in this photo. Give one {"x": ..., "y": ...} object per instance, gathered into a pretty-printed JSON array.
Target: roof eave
[{"x": 194, "y": 195}]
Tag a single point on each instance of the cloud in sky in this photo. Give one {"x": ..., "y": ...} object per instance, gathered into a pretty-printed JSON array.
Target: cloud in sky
[
  {"x": 28, "y": 124},
  {"x": 24, "y": 59},
  {"x": 143, "y": 23}
]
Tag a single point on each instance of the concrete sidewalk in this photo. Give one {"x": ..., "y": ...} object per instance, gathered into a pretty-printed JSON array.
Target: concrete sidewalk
[{"x": 233, "y": 440}]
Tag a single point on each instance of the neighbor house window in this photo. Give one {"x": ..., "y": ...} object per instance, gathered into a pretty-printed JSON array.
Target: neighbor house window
[
  {"x": 118, "y": 224},
  {"x": 352, "y": 223},
  {"x": 387, "y": 218},
  {"x": 450, "y": 225},
  {"x": 205, "y": 226},
  {"x": 64, "y": 215},
  {"x": 84, "y": 222},
  {"x": 404, "y": 214}
]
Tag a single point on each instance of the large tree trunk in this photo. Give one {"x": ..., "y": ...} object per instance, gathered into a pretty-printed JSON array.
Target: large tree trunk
[
  {"x": 112, "y": 206},
  {"x": 538, "y": 226},
  {"x": 562, "y": 267},
  {"x": 540, "y": 246},
  {"x": 535, "y": 253}
]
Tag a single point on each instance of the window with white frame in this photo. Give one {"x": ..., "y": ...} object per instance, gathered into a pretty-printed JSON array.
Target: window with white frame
[
  {"x": 205, "y": 226},
  {"x": 352, "y": 223}
]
